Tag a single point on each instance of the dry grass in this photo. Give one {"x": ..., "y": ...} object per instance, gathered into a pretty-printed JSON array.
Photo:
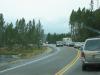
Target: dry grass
[{"x": 23, "y": 53}]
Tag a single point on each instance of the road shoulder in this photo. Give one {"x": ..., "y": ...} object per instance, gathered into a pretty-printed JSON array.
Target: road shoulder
[{"x": 14, "y": 63}]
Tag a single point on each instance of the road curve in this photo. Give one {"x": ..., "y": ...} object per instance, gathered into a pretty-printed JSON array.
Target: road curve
[{"x": 47, "y": 65}]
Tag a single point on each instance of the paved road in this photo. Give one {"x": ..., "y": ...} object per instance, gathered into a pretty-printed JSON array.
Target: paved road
[
  {"x": 76, "y": 69},
  {"x": 47, "y": 65}
]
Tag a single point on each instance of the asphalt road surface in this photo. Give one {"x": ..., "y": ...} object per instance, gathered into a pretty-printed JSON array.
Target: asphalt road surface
[
  {"x": 50, "y": 64},
  {"x": 76, "y": 69}
]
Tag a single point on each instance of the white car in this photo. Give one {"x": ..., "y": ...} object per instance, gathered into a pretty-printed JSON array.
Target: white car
[
  {"x": 78, "y": 44},
  {"x": 90, "y": 54},
  {"x": 59, "y": 43}
]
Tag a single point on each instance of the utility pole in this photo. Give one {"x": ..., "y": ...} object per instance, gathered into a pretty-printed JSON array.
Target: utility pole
[{"x": 91, "y": 5}]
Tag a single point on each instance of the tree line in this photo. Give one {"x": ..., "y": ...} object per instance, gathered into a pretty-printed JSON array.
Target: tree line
[
  {"x": 84, "y": 24},
  {"x": 52, "y": 38},
  {"x": 22, "y": 34}
]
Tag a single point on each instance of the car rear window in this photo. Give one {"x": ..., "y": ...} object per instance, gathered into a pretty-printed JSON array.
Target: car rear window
[{"x": 92, "y": 45}]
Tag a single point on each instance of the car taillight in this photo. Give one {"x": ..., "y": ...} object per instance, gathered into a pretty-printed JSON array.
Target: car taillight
[{"x": 82, "y": 54}]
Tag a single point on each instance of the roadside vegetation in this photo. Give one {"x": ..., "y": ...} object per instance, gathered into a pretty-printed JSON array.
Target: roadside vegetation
[
  {"x": 24, "y": 53},
  {"x": 84, "y": 24},
  {"x": 21, "y": 37}
]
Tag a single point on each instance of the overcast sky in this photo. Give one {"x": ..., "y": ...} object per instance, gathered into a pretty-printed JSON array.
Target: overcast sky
[{"x": 54, "y": 14}]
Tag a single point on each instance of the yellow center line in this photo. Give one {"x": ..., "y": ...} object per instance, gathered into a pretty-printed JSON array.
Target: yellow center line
[{"x": 67, "y": 67}]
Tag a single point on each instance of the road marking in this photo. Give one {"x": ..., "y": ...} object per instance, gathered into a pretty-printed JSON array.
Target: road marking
[
  {"x": 67, "y": 67},
  {"x": 27, "y": 63}
]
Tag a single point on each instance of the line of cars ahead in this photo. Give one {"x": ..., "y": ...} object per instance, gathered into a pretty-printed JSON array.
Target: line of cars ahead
[
  {"x": 70, "y": 44},
  {"x": 90, "y": 51}
]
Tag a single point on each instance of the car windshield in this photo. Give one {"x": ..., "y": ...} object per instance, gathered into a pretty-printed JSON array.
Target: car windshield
[
  {"x": 92, "y": 45},
  {"x": 59, "y": 42}
]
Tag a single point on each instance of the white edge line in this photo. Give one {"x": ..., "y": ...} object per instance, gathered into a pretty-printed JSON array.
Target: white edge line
[{"x": 30, "y": 62}]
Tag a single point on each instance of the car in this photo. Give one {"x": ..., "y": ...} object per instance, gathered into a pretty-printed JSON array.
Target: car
[
  {"x": 78, "y": 44},
  {"x": 90, "y": 54},
  {"x": 59, "y": 43},
  {"x": 71, "y": 44}
]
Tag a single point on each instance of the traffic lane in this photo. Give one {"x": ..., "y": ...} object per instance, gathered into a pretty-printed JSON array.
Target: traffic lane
[
  {"x": 77, "y": 70},
  {"x": 48, "y": 66}
]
